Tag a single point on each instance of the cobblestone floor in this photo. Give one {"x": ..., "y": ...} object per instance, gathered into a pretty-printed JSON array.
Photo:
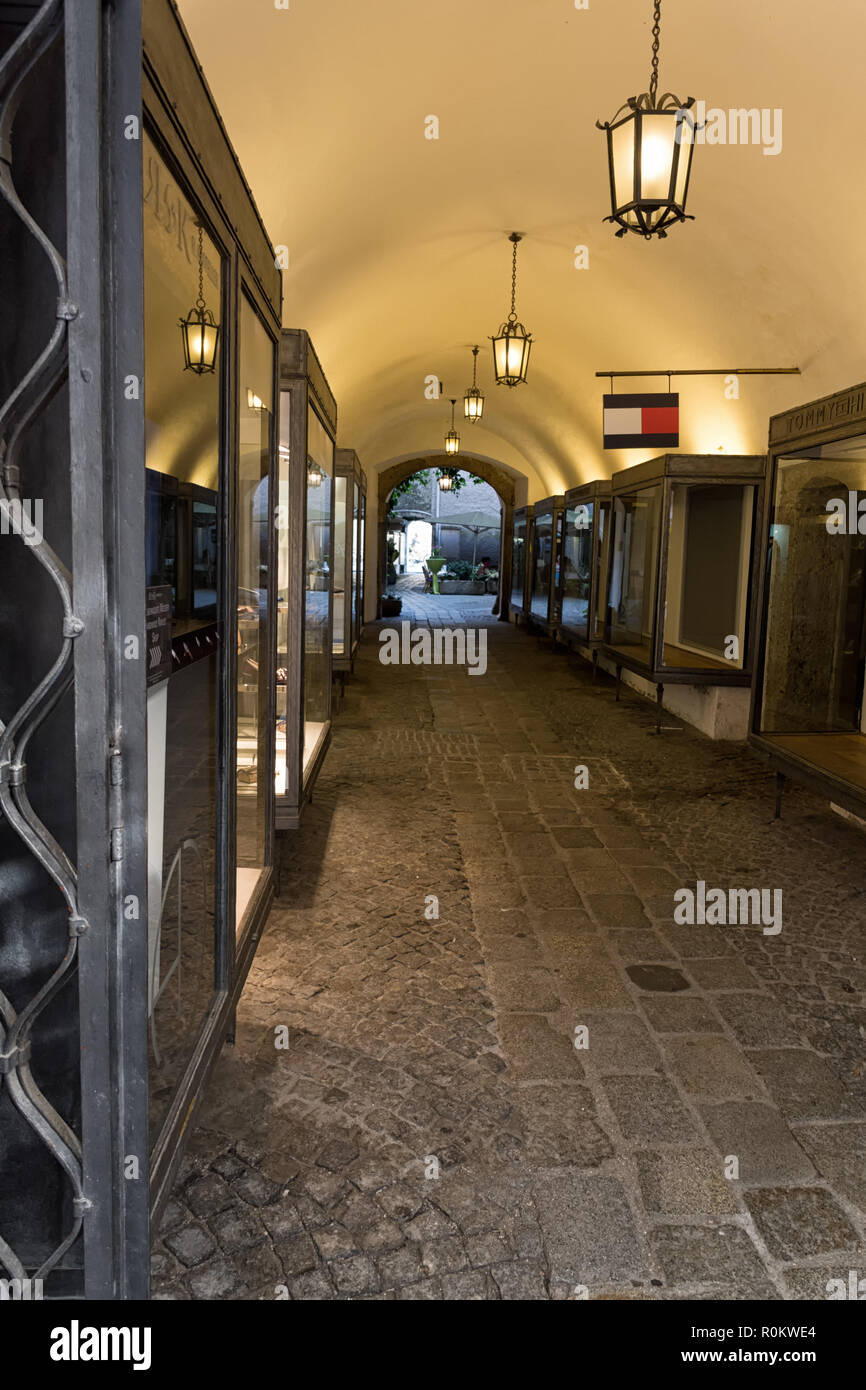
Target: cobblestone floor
[{"x": 418, "y": 1040}]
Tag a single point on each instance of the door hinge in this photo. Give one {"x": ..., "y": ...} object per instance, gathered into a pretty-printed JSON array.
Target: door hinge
[{"x": 117, "y": 845}]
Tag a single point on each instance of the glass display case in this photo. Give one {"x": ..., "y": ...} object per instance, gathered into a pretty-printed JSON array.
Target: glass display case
[
  {"x": 306, "y": 534},
  {"x": 521, "y": 549},
  {"x": 350, "y": 494},
  {"x": 807, "y": 713},
  {"x": 545, "y": 563},
  {"x": 583, "y": 566},
  {"x": 681, "y": 574}
]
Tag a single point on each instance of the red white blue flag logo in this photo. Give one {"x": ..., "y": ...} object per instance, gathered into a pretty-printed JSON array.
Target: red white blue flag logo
[{"x": 640, "y": 422}]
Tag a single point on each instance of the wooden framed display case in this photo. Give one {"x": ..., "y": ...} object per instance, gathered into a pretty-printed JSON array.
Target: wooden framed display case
[
  {"x": 521, "y": 557},
  {"x": 682, "y": 574},
  {"x": 583, "y": 567},
  {"x": 808, "y": 706},
  {"x": 543, "y": 587},
  {"x": 350, "y": 494},
  {"x": 305, "y": 543}
]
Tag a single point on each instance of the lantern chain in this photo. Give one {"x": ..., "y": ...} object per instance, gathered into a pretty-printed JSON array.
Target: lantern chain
[
  {"x": 513, "y": 315},
  {"x": 199, "y": 304},
  {"x": 474, "y": 368},
  {"x": 654, "y": 79}
]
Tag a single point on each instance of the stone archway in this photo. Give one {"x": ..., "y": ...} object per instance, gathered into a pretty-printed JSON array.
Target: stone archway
[{"x": 501, "y": 482}]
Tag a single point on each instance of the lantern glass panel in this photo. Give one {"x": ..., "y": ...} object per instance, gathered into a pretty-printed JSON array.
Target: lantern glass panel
[
  {"x": 622, "y": 139},
  {"x": 632, "y": 592},
  {"x": 686, "y": 136},
  {"x": 658, "y": 146},
  {"x": 816, "y": 605}
]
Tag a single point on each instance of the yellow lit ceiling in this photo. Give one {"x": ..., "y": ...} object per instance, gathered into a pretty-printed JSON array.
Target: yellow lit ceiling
[{"x": 399, "y": 261}]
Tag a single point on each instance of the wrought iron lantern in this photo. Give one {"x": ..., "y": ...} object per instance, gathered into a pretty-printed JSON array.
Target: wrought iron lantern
[
  {"x": 650, "y": 143},
  {"x": 446, "y": 479},
  {"x": 473, "y": 401},
  {"x": 315, "y": 476},
  {"x": 452, "y": 438},
  {"x": 512, "y": 344},
  {"x": 199, "y": 330}
]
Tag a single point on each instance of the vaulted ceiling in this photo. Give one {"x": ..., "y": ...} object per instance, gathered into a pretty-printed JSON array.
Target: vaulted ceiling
[{"x": 399, "y": 261}]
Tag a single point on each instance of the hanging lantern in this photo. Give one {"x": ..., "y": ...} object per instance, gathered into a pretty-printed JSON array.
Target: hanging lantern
[
  {"x": 446, "y": 479},
  {"x": 649, "y": 151},
  {"x": 315, "y": 476},
  {"x": 512, "y": 344},
  {"x": 452, "y": 438},
  {"x": 199, "y": 330},
  {"x": 473, "y": 401}
]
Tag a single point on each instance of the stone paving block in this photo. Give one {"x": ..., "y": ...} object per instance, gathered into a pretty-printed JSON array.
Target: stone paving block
[
  {"x": 588, "y": 1229},
  {"x": 218, "y": 1280},
  {"x": 721, "y": 1256},
  {"x": 803, "y": 1086},
  {"x": 647, "y": 1108},
  {"x": 192, "y": 1245},
  {"x": 714, "y": 1068},
  {"x": 355, "y": 1275},
  {"x": 592, "y": 984},
  {"x": 560, "y": 1126},
  {"x": 798, "y": 1223},
  {"x": 839, "y": 1155},
  {"x": 549, "y": 892},
  {"x": 722, "y": 973},
  {"x": 314, "y": 1286},
  {"x": 637, "y": 946},
  {"x": 297, "y": 1254},
  {"x": 400, "y": 1267},
  {"x": 678, "y": 1014},
  {"x": 825, "y": 1283},
  {"x": 695, "y": 942},
  {"x": 684, "y": 1183},
  {"x": 618, "y": 1041},
  {"x": 534, "y": 1050},
  {"x": 520, "y": 1281},
  {"x": 657, "y": 979},
  {"x": 617, "y": 910},
  {"x": 576, "y": 837},
  {"x": 758, "y": 1137},
  {"x": 514, "y": 988},
  {"x": 757, "y": 1020},
  {"x": 468, "y": 1286}
]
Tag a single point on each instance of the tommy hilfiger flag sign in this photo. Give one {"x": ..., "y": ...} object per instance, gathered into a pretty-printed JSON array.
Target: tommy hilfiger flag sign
[{"x": 640, "y": 422}]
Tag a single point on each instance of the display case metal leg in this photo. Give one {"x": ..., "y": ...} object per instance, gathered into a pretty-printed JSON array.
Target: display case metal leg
[
  {"x": 595, "y": 665},
  {"x": 618, "y": 675},
  {"x": 660, "y": 690},
  {"x": 781, "y": 779},
  {"x": 232, "y": 1028}
]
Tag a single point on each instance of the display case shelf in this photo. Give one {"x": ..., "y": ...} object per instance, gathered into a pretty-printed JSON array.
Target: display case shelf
[
  {"x": 682, "y": 573},
  {"x": 808, "y": 705},
  {"x": 305, "y": 537}
]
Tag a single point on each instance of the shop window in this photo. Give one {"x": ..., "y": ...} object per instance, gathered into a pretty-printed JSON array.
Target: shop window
[{"x": 632, "y": 596}]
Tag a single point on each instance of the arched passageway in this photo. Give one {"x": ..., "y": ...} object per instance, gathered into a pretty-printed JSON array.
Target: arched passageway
[{"x": 508, "y": 486}]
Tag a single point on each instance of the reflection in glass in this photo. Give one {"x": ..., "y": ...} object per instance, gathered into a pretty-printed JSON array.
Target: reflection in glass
[
  {"x": 631, "y": 601},
  {"x": 518, "y": 563},
  {"x": 317, "y": 662},
  {"x": 281, "y": 522},
  {"x": 340, "y": 495},
  {"x": 707, "y": 592},
  {"x": 357, "y": 561},
  {"x": 183, "y": 499},
  {"x": 256, "y": 423},
  {"x": 577, "y": 567},
  {"x": 602, "y": 560},
  {"x": 542, "y": 565},
  {"x": 814, "y": 645}
]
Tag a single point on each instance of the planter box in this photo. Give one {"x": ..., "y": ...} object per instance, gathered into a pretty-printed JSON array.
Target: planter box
[
  {"x": 391, "y": 607},
  {"x": 492, "y": 586},
  {"x": 461, "y": 586}
]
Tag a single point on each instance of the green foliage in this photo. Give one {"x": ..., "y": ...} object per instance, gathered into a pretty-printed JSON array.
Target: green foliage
[{"x": 421, "y": 479}]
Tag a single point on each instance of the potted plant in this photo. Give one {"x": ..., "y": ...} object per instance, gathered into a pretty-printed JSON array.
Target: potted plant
[
  {"x": 392, "y": 606},
  {"x": 462, "y": 578}
]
